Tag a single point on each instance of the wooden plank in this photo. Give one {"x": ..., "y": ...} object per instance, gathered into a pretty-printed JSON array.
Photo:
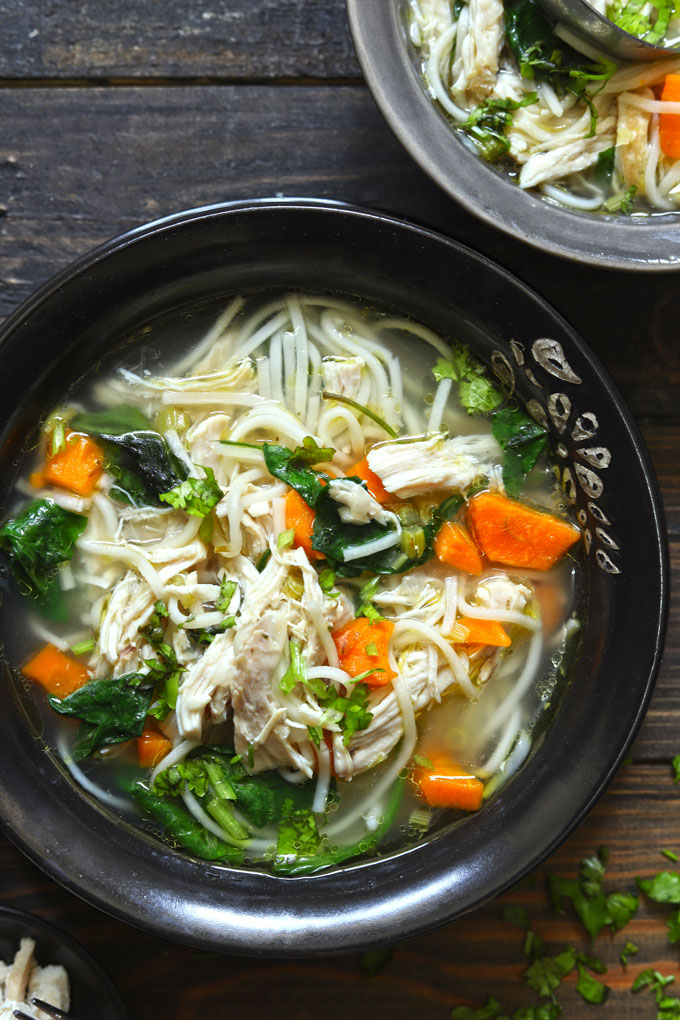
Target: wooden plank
[
  {"x": 462, "y": 962},
  {"x": 227, "y": 39},
  {"x": 79, "y": 165}
]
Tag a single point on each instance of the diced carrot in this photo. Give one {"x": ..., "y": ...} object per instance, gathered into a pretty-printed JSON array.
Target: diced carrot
[
  {"x": 453, "y": 545},
  {"x": 362, "y": 645},
  {"x": 447, "y": 785},
  {"x": 669, "y": 123},
  {"x": 375, "y": 486},
  {"x": 300, "y": 517},
  {"x": 552, "y": 601},
  {"x": 484, "y": 632},
  {"x": 37, "y": 479},
  {"x": 78, "y": 467},
  {"x": 518, "y": 536},
  {"x": 57, "y": 672},
  {"x": 152, "y": 745}
]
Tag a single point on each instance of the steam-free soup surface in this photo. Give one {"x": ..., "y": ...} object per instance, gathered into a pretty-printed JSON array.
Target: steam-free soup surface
[{"x": 298, "y": 593}]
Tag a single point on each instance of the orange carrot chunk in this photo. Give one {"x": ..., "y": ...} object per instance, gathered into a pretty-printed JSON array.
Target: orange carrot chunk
[
  {"x": 669, "y": 123},
  {"x": 362, "y": 645},
  {"x": 152, "y": 745},
  {"x": 447, "y": 785},
  {"x": 300, "y": 517},
  {"x": 453, "y": 545},
  {"x": 509, "y": 532},
  {"x": 484, "y": 632},
  {"x": 78, "y": 467},
  {"x": 375, "y": 486},
  {"x": 57, "y": 672}
]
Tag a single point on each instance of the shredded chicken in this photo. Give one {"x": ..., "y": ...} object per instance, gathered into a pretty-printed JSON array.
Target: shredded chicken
[
  {"x": 481, "y": 49},
  {"x": 499, "y": 592},
  {"x": 430, "y": 465},
  {"x": 24, "y": 978},
  {"x": 343, "y": 375},
  {"x": 632, "y": 139},
  {"x": 358, "y": 506}
]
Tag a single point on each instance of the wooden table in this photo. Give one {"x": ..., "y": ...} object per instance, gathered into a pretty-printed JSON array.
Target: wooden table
[{"x": 113, "y": 112}]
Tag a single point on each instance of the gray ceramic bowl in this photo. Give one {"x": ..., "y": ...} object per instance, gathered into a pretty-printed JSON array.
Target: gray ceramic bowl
[
  {"x": 175, "y": 265},
  {"x": 391, "y": 69}
]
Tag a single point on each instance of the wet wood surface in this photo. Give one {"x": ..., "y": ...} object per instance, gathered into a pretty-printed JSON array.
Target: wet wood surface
[{"x": 115, "y": 113}]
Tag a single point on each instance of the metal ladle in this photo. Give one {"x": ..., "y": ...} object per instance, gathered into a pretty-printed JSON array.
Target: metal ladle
[{"x": 596, "y": 29}]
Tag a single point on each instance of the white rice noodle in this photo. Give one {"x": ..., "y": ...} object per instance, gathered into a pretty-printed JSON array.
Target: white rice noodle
[
  {"x": 409, "y": 628},
  {"x": 518, "y": 755},
  {"x": 636, "y": 76},
  {"x": 264, "y": 494},
  {"x": 501, "y": 615},
  {"x": 177, "y": 447},
  {"x": 571, "y": 201},
  {"x": 650, "y": 105},
  {"x": 355, "y": 552},
  {"x": 352, "y": 430},
  {"x": 201, "y": 816},
  {"x": 548, "y": 96},
  {"x": 173, "y": 757},
  {"x": 264, "y": 379},
  {"x": 234, "y": 510},
  {"x": 519, "y": 689},
  {"x": 47, "y": 635},
  {"x": 504, "y": 744},
  {"x": 273, "y": 419},
  {"x": 301, "y": 355},
  {"x": 323, "y": 777},
  {"x": 653, "y": 154},
  {"x": 217, "y": 399},
  {"x": 445, "y": 42},
  {"x": 103, "y": 796},
  {"x": 215, "y": 333},
  {"x": 264, "y": 333},
  {"x": 578, "y": 44},
  {"x": 439, "y": 405},
  {"x": 279, "y": 515},
  {"x": 321, "y": 625},
  {"x": 335, "y": 675},
  {"x": 451, "y": 601},
  {"x": 418, "y": 330},
  {"x": 127, "y": 554}
]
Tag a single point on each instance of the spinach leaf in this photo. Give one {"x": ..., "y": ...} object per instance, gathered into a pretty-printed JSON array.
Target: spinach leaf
[
  {"x": 138, "y": 458},
  {"x": 35, "y": 542},
  {"x": 523, "y": 441},
  {"x": 488, "y": 124},
  {"x": 604, "y": 168},
  {"x": 111, "y": 711},
  {"x": 195, "y": 495},
  {"x": 294, "y": 467}
]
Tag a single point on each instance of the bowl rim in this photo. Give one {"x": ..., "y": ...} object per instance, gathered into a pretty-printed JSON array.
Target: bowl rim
[
  {"x": 483, "y": 190},
  {"x": 289, "y": 928}
]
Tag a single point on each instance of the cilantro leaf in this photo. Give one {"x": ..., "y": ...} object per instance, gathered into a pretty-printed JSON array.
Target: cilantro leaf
[
  {"x": 676, "y": 768},
  {"x": 295, "y": 466},
  {"x": 170, "y": 782},
  {"x": 663, "y": 888},
  {"x": 595, "y": 909},
  {"x": 476, "y": 391},
  {"x": 195, "y": 495},
  {"x": 227, "y": 590},
  {"x": 488, "y": 125},
  {"x": 298, "y": 833},
  {"x": 492, "y": 1010},
  {"x": 547, "y": 973},
  {"x": 630, "y": 949},
  {"x": 589, "y": 987},
  {"x": 674, "y": 928},
  {"x": 516, "y": 915},
  {"x": 296, "y": 672},
  {"x": 375, "y": 960}
]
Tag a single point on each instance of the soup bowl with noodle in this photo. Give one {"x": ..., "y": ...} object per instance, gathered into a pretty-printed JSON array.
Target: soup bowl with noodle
[
  {"x": 529, "y": 127},
  {"x": 316, "y": 578}
]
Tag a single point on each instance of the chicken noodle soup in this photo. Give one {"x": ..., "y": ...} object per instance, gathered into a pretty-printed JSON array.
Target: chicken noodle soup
[
  {"x": 556, "y": 114},
  {"x": 302, "y": 595}
]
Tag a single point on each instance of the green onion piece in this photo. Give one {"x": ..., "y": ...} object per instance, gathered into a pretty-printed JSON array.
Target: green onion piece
[
  {"x": 263, "y": 560},
  {"x": 247, "y": 446},
  {"x": 293, "y": 588},
  {"x": 171, "y": 418},
  {"x": 285, "y": 539},
  {"x": 371, "y": 648},
  {"x": 412, "y": 542},
  {"x": 234, "y": 832},
  {"x": 219, "y": 782},
  {"x": 83, "y": 647},
  {"x": 251, "y": 756},
  {"x": 327, "y": 395},
  {"x": 420, "y": 818}
]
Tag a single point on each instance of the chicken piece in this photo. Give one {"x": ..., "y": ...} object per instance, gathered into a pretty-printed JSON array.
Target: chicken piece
[
  {"x": 51, "y": 984},
  {"x": 129, "y": 608},
  {"x": 499, "y": 592},
  {"x": 481, "y": 50},
  {"x": 358, "y": 506},
  {"x": 564, "y": 146},
  {"x": 206, "y": 682},
  {"x": 204, "y": 449},
  {"x": 16, "y": 981},
  {"x": 434, "y": 464},
  {"x": 433, "y": 17},
  {"x": 343, "y": 375},
  {"x": 632, "y": 133}
]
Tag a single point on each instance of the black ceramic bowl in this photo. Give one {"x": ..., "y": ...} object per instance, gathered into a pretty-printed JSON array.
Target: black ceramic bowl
[
  {"x": 391, "y": 69},
  {"x": 221, "y": 250},
  {"x": 92, "y": 994}
]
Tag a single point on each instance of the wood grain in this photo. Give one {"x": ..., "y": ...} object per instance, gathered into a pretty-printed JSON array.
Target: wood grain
[
  {"x": 463, "y": 962},
  {"x": 258, "y": 39}
]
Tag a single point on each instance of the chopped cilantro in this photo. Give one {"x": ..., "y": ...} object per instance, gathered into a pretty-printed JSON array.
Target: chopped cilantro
[
  {"x": 670, "y": 854},
  {"x": 663, "y": 888},
  {"x": 488, "y": 125},
  {"x": 630, "y": 949},
  {"x": 297, "y": 671},
  {"x": 516, "y": 915},
  {"x": 546, "y": 974},
  {"x": 675, "y": 764},
  {"x": 375, "y": 960},
  {"x": 476, "y": 391},
  {"x": 197, "y": 496},
  {"x": 227, "y": 590},
  {"x": 674, "y": 928},
  {"x": 422, "y": 761},
  {"x": 298, "y": 833},
  {"x": 594, "y": 908},
  {"x": 589, "y": 987}
]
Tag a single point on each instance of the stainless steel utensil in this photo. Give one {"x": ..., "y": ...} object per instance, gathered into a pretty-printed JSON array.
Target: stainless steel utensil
[
  {"x": 52, "y": 1011},
  {"x": 596, "y": 29}
]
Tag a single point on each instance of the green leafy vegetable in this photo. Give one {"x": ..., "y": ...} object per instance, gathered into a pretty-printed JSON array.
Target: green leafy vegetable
[
  {"x": 589, "y": 987},
  {"x": 675, "y": 764},
  {"x": 111, "y": 711},
  {"x": 488, "y": 125},
  {"x": 195, "y": 495},
  {"x": 476, "y": 391},
  {"x": 35, "y": 542},
  {"x": 491, "y": 1011},
  {"x": 595, "y": 909},
  {"x": 138, "y": 458},
  {"x": 154, "y": 631},
  {"x": 648, "y": 21},
  {"x": 516, "y": 915},
  {"x": 327, "y": 582},
  {"x": 298, "y": 834},
  {"x": 543, "y": 57},
  {"x": 375, "y": 960},
  {"x": 296, "y": 672},
  {"x": 546, "y": 974},
  {"x": 671, "y": 855},
  {"x": 294, "y": 467},
  {"x": 604, "y": 168},
  {"x": 523, "y": 441},
  {"x": 630, "y": 949},
  {"x": 171, "y": 781},
  {"x": 181, "y": 828},
  {"x": 663, "y": 888},
  {"x": 227, "y": 592}
]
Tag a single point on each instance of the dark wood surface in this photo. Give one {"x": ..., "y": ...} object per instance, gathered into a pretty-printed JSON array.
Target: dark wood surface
[{"x": 113, "y": 112}]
